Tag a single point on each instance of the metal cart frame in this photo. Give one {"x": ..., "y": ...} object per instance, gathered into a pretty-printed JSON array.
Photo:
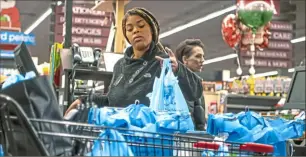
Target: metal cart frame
[{"x": 82, "y": 136}]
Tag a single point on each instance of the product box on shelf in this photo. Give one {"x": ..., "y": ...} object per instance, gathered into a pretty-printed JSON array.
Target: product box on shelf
[{"x": 262, "y": 86}]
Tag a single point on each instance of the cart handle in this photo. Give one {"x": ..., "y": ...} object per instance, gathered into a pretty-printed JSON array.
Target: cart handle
[
  {"x": 257, "y": 148},
  {"x": 207, "y": 145},
  {"x": 249, "y": 147}
]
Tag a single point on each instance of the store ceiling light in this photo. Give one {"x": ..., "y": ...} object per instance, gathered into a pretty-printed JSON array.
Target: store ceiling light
[
  {"x": 270, "y": 73},
  {"x": 297, "y": 40},
  {"x": 40, "y": 19},
  {"x": 219, "y": 59},
  {"x": 291, "y": 70},
  {"x": 198, "y": 21}
]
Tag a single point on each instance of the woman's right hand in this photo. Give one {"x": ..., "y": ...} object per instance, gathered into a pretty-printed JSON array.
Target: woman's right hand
[{"x": 73, "y": 106}]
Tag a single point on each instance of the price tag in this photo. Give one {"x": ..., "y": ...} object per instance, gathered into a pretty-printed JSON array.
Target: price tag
[
  {"x": 286, "y": 86},
  {"x": 235, "y": 87},
  {"x": 245, "y": 87},
  {"x": 278, "y": 86},
  {"x": 259, "y": 86},
  {"x": 268, "y": 86}
]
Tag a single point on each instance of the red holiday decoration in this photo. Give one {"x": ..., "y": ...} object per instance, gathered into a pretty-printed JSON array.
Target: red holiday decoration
[
  {"x": 261, "y": 38},
  {"x": 230, "y": 30}
]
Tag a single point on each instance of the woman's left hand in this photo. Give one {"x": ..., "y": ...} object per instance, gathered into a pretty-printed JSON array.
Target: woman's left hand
[{"x": 173, "y": 60}]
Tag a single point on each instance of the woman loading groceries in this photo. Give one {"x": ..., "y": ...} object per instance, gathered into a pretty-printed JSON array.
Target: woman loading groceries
[
  {"x": 190, "y": 52},
  {"x": 134, "y": 74}
]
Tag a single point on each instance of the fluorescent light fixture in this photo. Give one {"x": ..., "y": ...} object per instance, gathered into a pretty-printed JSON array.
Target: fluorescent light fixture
[
  {"x": 197, "y": 21},
  {"x": 59, "y": 3},
  {"x": 270, "y": 73},
  {"x": 40, "y": 19},
  {"x": 218, "y": 59},
  {"x": 291, "y": 70},
  {"x": 297, "y": 40},
  {"x": 265, "y": 74}
]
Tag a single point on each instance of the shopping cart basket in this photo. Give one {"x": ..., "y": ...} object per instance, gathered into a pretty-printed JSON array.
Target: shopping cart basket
[{"x": 82, "y": 137}]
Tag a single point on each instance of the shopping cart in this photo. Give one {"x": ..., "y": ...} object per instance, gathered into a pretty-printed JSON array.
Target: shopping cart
[{"x": 21, "y": 135}]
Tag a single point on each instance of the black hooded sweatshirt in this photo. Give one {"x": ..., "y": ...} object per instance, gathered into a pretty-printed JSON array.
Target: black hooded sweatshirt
[{"x": 133, "y": 79}]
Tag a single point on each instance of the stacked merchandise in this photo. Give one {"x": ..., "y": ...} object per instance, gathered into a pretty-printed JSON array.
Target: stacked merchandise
[
  {"x": 262, "y": 86},
  {"x": 55, "y": 64}
]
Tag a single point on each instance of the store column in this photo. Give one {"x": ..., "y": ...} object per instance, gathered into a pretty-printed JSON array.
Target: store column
[
  {"x": 68, "y": 23},
  {"x": 119, "y": 42},
  {"x": 118, "y": 7}
]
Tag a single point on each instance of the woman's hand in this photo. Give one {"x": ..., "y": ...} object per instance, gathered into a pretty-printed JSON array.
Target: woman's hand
[
  {"x": 73, "y": 106},
  {"x": 173, "y": 60}
]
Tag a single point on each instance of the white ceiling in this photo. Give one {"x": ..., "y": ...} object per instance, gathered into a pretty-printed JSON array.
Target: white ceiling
[{"x": 169, "y": 14}]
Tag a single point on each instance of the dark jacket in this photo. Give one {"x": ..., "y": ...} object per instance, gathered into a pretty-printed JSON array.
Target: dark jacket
[
  {"x": 133, "y": 79},
  {"x": 197, "y": 111}
]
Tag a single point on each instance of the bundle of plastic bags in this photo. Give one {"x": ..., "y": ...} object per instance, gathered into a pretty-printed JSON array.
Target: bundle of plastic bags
[{"x": 250, "y": 127}]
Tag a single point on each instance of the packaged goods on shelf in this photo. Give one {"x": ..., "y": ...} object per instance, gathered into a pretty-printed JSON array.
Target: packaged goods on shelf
[{"x": 270, "y": 86}]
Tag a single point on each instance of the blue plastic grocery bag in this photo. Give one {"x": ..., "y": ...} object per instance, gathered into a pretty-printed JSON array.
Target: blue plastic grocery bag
[
  {"x": 251, "y": 127},
  {"x": 137, "y": 115},
  {"x": 148, "y": 141},
  {"x": 1, "y": 151},
  {"x": 13, "y": 79},
  {"x": 104, "y": 114},
  {"x": 167, "y": 95},
  {"x": 110, "y": 143},
  {"x": 222, "y": 151},
  {"x": 287, "y": 129},
  {"x": 93, "y": 115},
  {"x": 140, "y": 115},
  {"x": 170, "y": 122}
]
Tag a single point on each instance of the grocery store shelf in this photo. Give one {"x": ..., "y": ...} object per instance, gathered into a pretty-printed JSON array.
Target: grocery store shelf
[{"x": 237, "y": 102}]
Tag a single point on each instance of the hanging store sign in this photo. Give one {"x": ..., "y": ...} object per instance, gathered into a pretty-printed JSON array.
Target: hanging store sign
[
  {"x": 279, "y": 52},
  {"x": 280, "y": 45},
  {"x": 85, "y": 21},
  {"x": 268, "y": 63},
  {"x": 96, "y": 42},
  {"x": 89, "y": 27},
  {"x": 281, "y": 36},
  {"x": 272, "y": 54},
  {"x": 281, "y": 26}
]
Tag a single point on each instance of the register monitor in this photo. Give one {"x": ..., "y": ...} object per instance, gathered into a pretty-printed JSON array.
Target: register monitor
[
  {"x": 296, "y": 94},
  {"x": 23, "y": 60}
]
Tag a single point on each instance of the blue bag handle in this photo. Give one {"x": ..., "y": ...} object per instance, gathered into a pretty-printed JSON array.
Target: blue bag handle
[{"x": 111, "y": 143}]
